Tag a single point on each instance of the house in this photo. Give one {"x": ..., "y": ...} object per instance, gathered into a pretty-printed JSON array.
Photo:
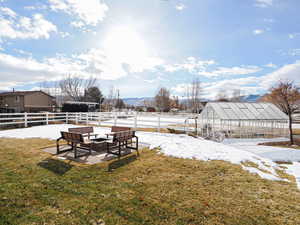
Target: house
[{"x": 26, "y": 101}]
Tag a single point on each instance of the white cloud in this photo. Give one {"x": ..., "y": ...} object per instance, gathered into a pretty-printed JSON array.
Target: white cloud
[
  {"x": 8, "y": 12},
  {"x": 268, "y": 20},
  {"x": 89, "y": 12},
  {"x": 64, "y": 34},
  {"x": 258, "y": 31},
  {"x": 263, "y": 3},
  {"x": 294, "y": 52},
  {"x": 95, "y": 62},
  {"x": 36, "y": 7},
  {"x": 293, "y": 35},
  {"x": 191, "y": 64},
  {"x": 210, "y": 90},
  {"x": 22, "y": 52},
  {"x": 271, "y": 65},
  {"x": 13, "y": 26},
  {"x": 98, "y": 61},
  {"x": 180, "y": 6},
  {"x": 230, "y": 71},
  {"x": 26, "y": 69},
  {"x": 78, "y": 24},
  {"x": 287, "y": 72}
]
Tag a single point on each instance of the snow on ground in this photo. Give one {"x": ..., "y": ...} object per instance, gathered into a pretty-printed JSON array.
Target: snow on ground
[
  {"x": 181, "y": 146},
  {"x": 296, "y": 125},
  {"x": 294, "y": 170},
  {"x": 272, "y": 153},
  {"x": 48, "y": 132}
]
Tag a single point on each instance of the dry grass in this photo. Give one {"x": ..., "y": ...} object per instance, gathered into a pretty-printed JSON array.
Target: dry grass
[
  {"x": 296, "y": 131},
  {"x": 154, "y": 189}
]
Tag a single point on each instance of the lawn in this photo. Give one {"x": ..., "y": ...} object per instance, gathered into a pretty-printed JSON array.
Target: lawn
[{"x": 36, "y": 188}]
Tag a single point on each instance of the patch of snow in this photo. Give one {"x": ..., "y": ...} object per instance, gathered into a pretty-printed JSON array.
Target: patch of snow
[
  {"x": 270, "y": 152},
  {"x": 184, "y": 146},
  {"x": 296, "y": 125},
  {"x": 294, "y": 170},
  {"x": 262, "y": 174}
]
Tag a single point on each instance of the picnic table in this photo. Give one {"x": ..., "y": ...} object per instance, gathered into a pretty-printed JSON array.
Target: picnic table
[{"x": 79, "y": 138}]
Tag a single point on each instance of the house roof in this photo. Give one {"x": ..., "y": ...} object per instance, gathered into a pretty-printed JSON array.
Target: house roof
[
  {"x": 245, "y": 111},
  {"x": 18, "y": 93}
]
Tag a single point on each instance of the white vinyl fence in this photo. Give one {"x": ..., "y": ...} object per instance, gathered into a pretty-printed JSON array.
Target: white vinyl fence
[
  {"x": 180, "y": 122},
  {"x": 130, "y": 119}
]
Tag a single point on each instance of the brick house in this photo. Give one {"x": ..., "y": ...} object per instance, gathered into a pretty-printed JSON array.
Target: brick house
[{"x": 26, "y": 101}]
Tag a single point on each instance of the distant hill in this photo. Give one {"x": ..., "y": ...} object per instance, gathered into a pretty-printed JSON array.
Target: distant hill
[
  {"x": 136, "y": 101},
  {"x": 139, "y": 101},
  {"x": 250, "y": 98}
]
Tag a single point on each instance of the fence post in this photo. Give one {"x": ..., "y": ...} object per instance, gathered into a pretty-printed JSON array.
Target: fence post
[
  {"x": 47, "y": 118},
  {"x": 115, "y": 119},
  {"x": 87, "y": 118},
  {"x": 67, "y": 117},
  {"x": 135, "y": 120},
  {"x": 158, "y": 127},
  {"x": 25, "y": 120},
  {"x": 99, "y": 118},
  {"x": 76, "y": 118}
]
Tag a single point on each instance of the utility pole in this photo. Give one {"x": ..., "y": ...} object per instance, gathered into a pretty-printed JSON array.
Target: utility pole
[{"x": 118, "y": 100}]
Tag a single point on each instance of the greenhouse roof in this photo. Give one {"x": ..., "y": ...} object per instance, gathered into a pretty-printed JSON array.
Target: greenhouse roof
[{"x": 245, "y": 111}]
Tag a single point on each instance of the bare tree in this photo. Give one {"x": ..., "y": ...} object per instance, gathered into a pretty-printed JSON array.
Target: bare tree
[
  {"x": 162, "y": 100},
  {"x": 236, "y": 95},
  {"x": 193, "y": 93},
  {"x": 110, "y": 100},
  {"x": 148, "y": 103},
  {"x": 285, "y": 95},
  {"x": 222, "y": 96},
  {"x": 195, "y": 96},
  {"x": 73, "y": 87}
]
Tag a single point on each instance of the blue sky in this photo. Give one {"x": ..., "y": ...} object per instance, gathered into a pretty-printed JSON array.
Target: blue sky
[{"x": 139, "y": 46}]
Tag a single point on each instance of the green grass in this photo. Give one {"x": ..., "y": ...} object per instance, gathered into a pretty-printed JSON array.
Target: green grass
[{"x": 36, "y": 188}]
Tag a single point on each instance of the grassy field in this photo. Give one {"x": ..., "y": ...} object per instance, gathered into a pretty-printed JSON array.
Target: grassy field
[{"x": 36, "y": 188}]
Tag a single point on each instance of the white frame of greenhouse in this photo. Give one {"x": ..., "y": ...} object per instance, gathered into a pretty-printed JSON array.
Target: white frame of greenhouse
[{"x": 246, "y": 120}]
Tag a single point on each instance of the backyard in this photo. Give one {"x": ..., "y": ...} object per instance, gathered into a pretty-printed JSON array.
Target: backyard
[
  {"x": 193, "y": 182},
  {"x": 154, "y": 189}
]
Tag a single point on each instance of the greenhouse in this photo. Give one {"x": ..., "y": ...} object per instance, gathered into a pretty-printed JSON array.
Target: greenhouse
[{"x": 245, "y": 120}]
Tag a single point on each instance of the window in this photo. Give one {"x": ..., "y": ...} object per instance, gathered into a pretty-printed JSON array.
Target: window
[{"x": 17, "y": 98}]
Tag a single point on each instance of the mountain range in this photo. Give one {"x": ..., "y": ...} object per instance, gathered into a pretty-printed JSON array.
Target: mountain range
[{"x": 140, "y": 101}]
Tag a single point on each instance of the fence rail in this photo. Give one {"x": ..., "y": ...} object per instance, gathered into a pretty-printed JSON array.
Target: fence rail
[
  {"x": 132, "y": 119},
  {"x": 158, "y": 121}
]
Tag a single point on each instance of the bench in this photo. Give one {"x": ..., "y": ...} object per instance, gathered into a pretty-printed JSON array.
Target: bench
[
  {"x": 76, "y": 141},
  {"x": 85, "y": 131},
  {"x": 121, "y": 139}
]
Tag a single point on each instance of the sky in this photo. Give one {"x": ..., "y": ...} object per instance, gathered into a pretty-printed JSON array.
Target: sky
[{"x": 139, "y": 46}]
